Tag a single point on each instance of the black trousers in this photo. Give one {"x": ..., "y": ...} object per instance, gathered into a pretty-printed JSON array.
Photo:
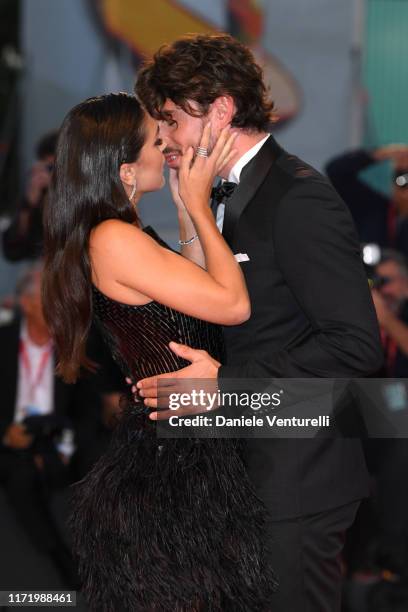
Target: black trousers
[
  {"x": 27, "y": 492},
  {"x": 392, "y": 497},
  {"x": 306, "y": 555}
]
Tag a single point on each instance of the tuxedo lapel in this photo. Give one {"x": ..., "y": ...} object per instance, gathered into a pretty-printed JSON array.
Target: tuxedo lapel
[
  {"x": 253, "y": 175},
  {"x": 214, "y": 204}
]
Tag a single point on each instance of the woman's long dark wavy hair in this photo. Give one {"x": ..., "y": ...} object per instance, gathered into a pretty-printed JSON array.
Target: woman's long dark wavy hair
[{"x": 96, "y": 137}]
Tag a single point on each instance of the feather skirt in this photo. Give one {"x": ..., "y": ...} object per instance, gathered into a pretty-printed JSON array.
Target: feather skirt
[{"x": 170, "y": 526}]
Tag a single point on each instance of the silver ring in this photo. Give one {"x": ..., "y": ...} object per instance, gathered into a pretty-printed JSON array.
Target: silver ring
[{"x": 202, "y": 151}]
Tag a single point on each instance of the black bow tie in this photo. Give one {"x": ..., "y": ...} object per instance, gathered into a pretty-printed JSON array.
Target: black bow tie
[{"x": 222, "y": 192}]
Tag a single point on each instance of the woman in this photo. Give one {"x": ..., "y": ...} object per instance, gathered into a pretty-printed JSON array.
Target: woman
[{"x": 158, "y": 524}]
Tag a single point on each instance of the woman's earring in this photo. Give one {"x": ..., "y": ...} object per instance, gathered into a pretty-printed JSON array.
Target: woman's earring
[{"x": 132, "y": 195}]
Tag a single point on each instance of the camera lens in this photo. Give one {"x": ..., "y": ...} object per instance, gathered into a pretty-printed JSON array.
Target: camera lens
[
  {"x": 402, "y": 180},
  {"x": 371, "y": 254}
]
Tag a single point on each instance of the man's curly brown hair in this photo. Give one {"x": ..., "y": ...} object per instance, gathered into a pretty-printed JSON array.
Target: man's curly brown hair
[{"x": 201, "y": 68}]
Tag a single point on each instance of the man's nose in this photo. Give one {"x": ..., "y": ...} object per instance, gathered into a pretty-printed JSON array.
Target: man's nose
[{"x": 164, "y": 129}]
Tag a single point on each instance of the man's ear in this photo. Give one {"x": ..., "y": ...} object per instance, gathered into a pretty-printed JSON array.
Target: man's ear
[
  {"x": 127, "y": 174},
  {"x": 223, "y": 110}
]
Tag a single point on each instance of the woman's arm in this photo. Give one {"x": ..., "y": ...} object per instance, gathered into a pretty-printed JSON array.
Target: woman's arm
[
  {"x": 192, "y": 250},
  {"x": 130, "y": 266}
]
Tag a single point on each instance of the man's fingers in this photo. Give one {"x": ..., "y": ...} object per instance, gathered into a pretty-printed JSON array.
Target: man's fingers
[
  {"x": 163, "y": 415},
  {"x": 188, "y": 353},
  {"x": 158, "y": 391},
  {"x": 161, "y": 403},
  {"x": 152, "y": 381}
]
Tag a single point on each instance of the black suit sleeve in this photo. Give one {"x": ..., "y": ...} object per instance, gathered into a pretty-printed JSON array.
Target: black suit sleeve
[{"x": 318, "y": 255}]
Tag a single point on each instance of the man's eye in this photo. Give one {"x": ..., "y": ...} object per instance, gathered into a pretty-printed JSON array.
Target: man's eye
[{"x": 171, "y": 122}]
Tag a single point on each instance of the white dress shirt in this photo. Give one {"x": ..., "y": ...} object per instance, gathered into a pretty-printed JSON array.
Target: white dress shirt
[
  {"x": 235, "y": 174},
  {"x": 35, "y": 384}
]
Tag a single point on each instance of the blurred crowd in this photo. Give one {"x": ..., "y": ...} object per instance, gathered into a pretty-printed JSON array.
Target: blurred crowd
[
  {"x": 52, "y": 433},
  {"x": 376, "y": 554}
]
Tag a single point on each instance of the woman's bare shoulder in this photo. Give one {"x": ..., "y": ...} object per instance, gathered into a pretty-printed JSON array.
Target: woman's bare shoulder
[
  {"x": 113, "y": 232},
  {"x": 115, "y": 249}
]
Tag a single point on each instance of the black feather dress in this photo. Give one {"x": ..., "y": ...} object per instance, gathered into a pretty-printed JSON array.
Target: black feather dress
[{"x": 168, "y": 525}]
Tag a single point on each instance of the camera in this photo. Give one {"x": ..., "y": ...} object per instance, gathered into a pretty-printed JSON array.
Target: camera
[
  {"x": 377, "y": 281},
  {"x": 401, "y": 179}
]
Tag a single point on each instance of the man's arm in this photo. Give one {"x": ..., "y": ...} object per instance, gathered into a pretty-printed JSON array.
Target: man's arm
[
  {"x": 22, "y": 239},
  {"x": 344, "y": 174},
  {"x": 317, "y": 251},
  {"x": 394, "y": 327}
]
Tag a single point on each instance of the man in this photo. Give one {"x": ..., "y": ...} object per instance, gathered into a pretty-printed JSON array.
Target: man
[
  {"x": 38, "y": 415},
  {"x": 391, "y": 304},
  {"x": 379, "y": 219},
  {"x": 23, "y": 239},
  {"x": 312, "y": 314}
]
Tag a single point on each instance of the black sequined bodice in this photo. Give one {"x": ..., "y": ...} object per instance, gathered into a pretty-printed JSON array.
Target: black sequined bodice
[{"x": 139, "y": 336}]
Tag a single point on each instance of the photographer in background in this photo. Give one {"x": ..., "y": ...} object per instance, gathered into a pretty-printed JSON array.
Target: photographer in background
[
  {"x": 391, "y": 303},
  {"x": 36, "y": 412},
  {"x": 379, "y": 219},
  {"x": 391, "y": 454},
  {"x": 23, "y": 239}
]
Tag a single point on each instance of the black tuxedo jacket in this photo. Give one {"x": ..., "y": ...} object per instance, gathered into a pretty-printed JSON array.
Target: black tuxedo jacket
[
  {"x": 76, "y": 402},
  {"x": 312, "y": 316}
]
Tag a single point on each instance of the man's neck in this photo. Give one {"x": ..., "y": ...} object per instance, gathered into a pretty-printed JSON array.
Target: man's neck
[
  {"x": 243, "y": 143},
  {"x": 38, "y": 334}
]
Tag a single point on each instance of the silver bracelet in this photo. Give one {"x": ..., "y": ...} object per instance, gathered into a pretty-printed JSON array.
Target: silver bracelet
[{"x": 184, "y": 242}]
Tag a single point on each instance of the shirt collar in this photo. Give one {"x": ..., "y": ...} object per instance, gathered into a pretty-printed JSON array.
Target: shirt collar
[
  {"x": 236, "y": 169},
  {"x": 24, "y": 336}
]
